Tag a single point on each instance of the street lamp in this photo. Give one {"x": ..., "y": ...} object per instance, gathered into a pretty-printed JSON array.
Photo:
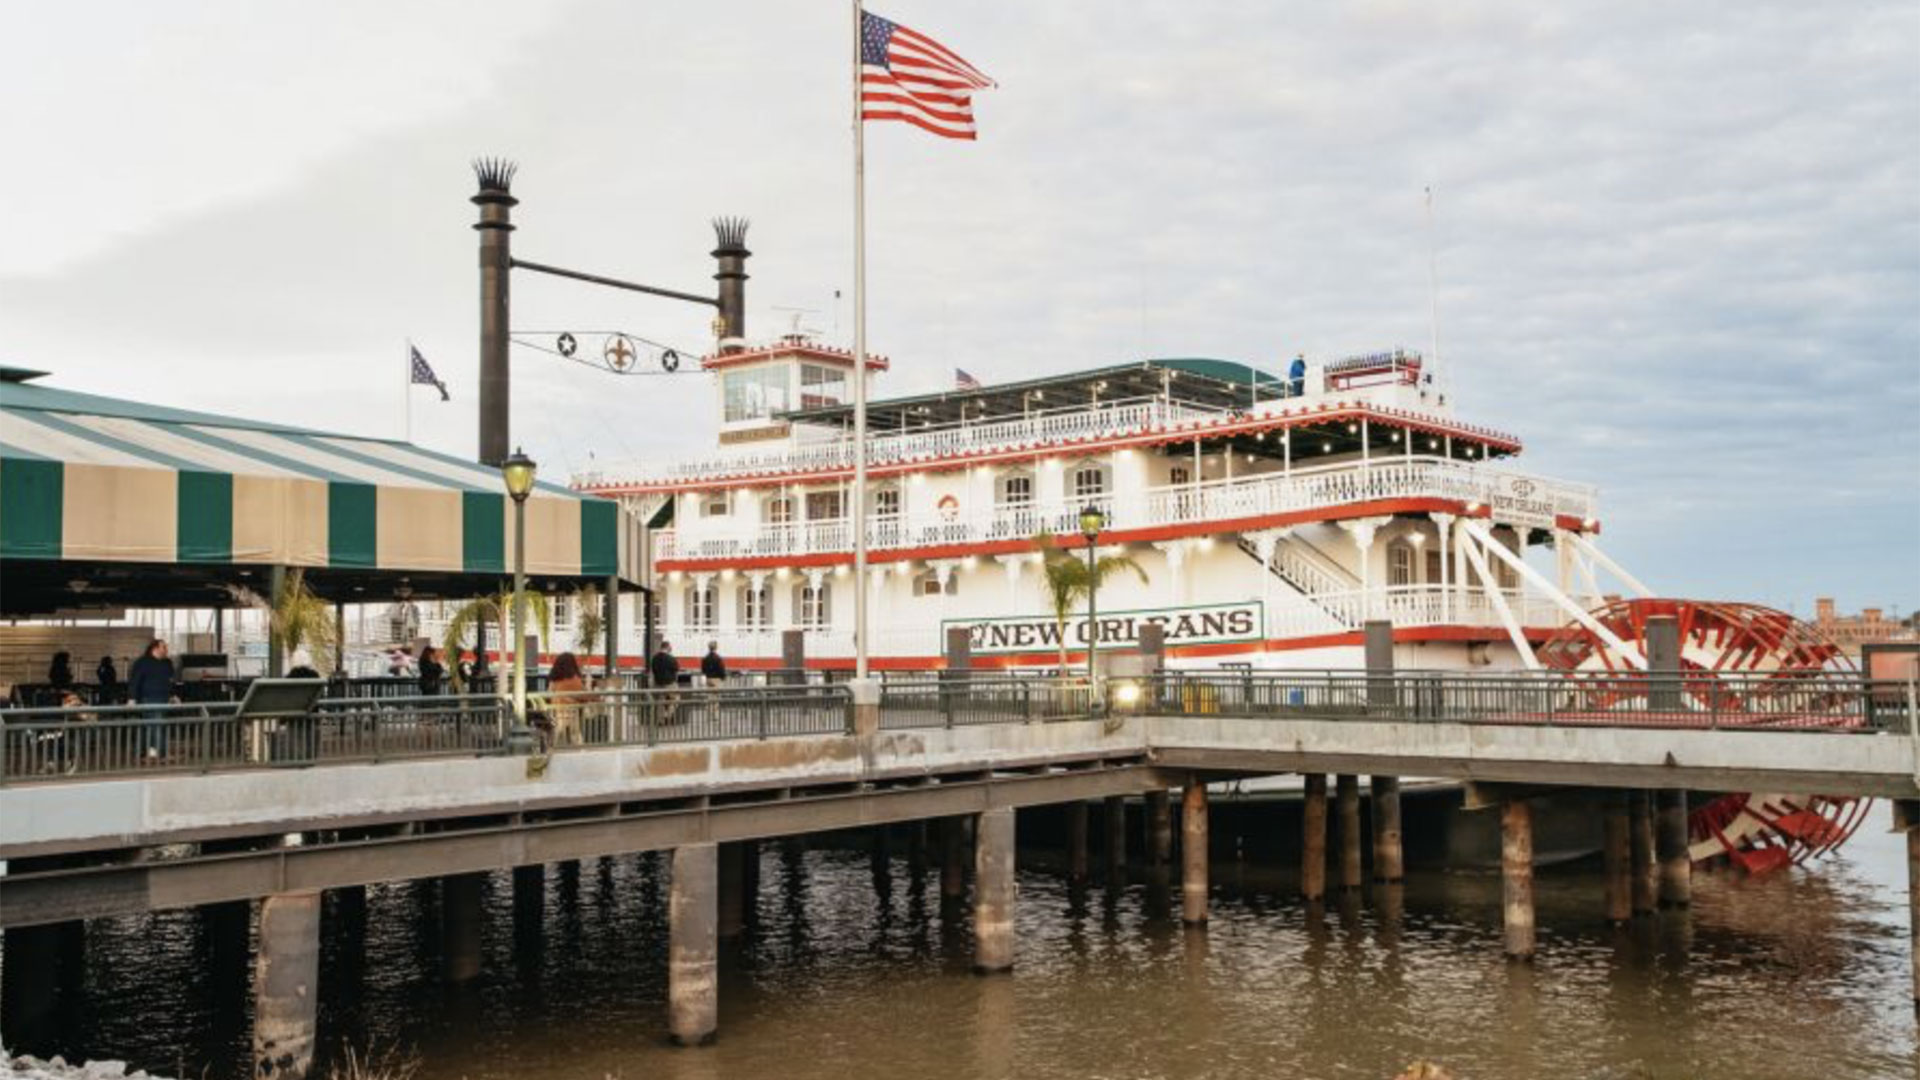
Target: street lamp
[
  {"x": 518, "y": 472},
  {"x": 1092, "y": 520}
]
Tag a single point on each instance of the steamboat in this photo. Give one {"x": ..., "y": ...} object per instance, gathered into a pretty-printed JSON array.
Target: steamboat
[{"x": 1270, "y": 513}]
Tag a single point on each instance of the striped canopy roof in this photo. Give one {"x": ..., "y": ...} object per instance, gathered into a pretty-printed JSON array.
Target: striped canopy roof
[{"x": 88, "y": 478}]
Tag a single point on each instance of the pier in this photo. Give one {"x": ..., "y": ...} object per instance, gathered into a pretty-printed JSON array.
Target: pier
[{"x": 282, "y": 808}]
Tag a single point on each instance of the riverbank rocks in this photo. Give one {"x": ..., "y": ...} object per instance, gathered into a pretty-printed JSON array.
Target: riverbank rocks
[{"x": 56, "y": 1068}]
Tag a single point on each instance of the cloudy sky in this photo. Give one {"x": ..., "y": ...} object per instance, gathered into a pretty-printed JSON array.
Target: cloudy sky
[{"x": 1678, "y": 244}]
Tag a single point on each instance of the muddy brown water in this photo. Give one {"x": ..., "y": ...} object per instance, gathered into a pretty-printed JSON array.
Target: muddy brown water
[{"x": 851, "y": 972}]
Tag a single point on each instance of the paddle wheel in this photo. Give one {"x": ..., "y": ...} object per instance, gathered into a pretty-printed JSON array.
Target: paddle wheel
[{"x": 1741, "y": 666}]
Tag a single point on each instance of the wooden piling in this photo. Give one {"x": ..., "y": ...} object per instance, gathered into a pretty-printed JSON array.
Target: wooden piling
[
  {"x": 1193, "y": 850},
  {"x": 1389, "y": 862},
  {"x": 286, "y": 985},
  {"x": 1670, "y": 840},
  {"x": 1516, "y": 877},
  {"x": 993, "y": 891},
  {"x": 1116, "y": 837},
  {"x": 1313, "y": 838},
  {"x": 1617, "y": 857},
  {"x": 1347, "y": 796},
  {"x": 1077, "y": 841},
  {"x": 693, "y": 989},
  {"x": 1640, "y": 851}
]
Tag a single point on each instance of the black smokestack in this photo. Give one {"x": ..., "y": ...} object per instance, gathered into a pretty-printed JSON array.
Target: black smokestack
[
  {"x": 730, "y": 257},
  {"x": 496, "y": 203}
]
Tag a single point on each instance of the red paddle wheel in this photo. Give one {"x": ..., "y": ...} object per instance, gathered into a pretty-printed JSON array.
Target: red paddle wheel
[{"x": 1742, "y": 666}]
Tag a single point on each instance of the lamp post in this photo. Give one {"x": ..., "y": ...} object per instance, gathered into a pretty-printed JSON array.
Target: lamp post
[
  {"x": 518, "y": 471},
  {"x": 1092, "y": 520}
]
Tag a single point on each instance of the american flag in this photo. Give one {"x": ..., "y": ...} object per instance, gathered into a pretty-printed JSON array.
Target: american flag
[
  {"x": 908, "y": 76},
  {"x": 423, "y": 373},
  {"x": 964, "y": 381}
]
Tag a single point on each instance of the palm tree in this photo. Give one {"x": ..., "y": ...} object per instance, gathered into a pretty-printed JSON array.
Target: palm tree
[
  {"x": 297, "y": 617},
  {"x": 496, "y": 608},
  {"x": 1068, "y": 580},
  {"x": 590, "y": 622}
]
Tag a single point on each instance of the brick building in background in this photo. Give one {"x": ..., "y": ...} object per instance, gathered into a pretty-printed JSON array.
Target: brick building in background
[{"x": 1870, "y": 627}]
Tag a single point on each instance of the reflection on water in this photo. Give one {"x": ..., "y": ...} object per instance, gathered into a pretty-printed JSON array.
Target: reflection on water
[{"x": 852, "y": 966}]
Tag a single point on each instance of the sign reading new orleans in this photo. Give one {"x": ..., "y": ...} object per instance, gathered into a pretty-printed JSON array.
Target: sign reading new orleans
[
  {"x": 1517, "y": 500},
  {"x": 1118, "y": 629}
]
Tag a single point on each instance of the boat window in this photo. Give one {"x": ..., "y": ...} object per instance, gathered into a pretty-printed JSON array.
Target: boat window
[
  {"x": 701, "y": 613},
  {"x": 1400, "y": 563},
  {"x": 928, "y": 584},
  {"x": 813, "y": 606},
  {"x": 714, "y": 504},
  {"x": 886, "y": 502},
  {"x": 753, "y": 394},
  {"x": 1090, "y": 482},
  {"x": 821, "y": 386},
  {"x": 756, "y": 607},
  {"x": 824, "y": 506},
  {"x": 780, "y": 511},
  {"x": 1015, "y": 489}
]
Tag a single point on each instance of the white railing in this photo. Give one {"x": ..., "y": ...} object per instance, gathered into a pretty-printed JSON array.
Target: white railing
[
  {"x": 1264, "y": 495},
  {"x": 1041, "y": 429}
]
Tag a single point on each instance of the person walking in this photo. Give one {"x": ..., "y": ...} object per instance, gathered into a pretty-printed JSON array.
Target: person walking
[
  {"x": 666, "y": 675},
  {"x": 564, "y": 684},
  {"x": 712, "y": 668},
  {"x": 433, "y": 673},
  {"x": 60, "y": 672},
  {"x": 150, "y": 682}
]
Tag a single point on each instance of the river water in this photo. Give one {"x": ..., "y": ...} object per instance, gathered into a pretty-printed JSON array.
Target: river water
[{"x": 1802, "y": 974}]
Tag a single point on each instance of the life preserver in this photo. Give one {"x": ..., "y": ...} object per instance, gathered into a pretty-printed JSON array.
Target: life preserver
[{"x": 949, "y": 507}]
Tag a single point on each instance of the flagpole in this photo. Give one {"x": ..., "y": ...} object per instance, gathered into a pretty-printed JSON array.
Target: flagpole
[
  {"x": 1433, "y": 293},
  {"x": 860, "y": 584},
  {"x": 406, "y": 389}
]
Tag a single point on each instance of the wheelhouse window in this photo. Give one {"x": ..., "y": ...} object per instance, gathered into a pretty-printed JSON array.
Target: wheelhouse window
[
  {"x": 821, "y": 385},
  {"x": 753, "y": 393}
]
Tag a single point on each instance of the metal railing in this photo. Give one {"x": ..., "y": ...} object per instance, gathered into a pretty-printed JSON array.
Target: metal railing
[
  {"x": 1776, "y": 702},
  {"x": 48, "y": 744},
  {"x": 961, "y": 698},
  {"x": 91, "y": 742}
]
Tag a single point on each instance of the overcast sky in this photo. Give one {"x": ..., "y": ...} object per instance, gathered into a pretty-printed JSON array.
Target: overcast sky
[{"x": 1679, "y": 244}]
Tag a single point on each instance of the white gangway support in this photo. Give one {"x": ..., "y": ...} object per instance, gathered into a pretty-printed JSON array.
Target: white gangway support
[
  {"x": 1500, "y": 606},
  {"x": 1593, "y": 552},
  {"x": 1561, "y": 600}
]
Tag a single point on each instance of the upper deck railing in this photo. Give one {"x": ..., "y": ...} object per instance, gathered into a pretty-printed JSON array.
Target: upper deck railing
[
  {"x": 1239, "y": 499},
  {"x": 53, "y": 745},
  {"x": 1053, "y": 427}
]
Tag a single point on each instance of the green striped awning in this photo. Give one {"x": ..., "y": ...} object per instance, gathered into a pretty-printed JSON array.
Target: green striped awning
[{"x": 85, "y": 477}]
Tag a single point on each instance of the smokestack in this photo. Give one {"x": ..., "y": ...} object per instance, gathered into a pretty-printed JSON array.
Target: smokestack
[
  {"x": 730, "y": 271},
  {"x": 495, "y": 226}
]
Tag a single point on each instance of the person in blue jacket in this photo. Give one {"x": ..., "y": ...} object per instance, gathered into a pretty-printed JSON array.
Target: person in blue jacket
[{"x": 150, "y": 682}]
